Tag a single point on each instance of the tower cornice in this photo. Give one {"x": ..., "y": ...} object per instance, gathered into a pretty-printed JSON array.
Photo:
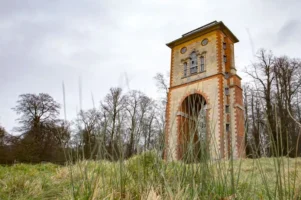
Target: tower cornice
[{"x": 213, "y": 26}]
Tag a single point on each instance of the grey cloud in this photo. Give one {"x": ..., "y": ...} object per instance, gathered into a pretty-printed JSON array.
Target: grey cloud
[
  {"x": 290, "y": 30},
  {"x": 43, "y": 43},
  {"x": 56, "y": 7}
]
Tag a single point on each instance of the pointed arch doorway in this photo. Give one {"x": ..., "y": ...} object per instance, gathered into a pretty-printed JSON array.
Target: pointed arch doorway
[{"x": 193, "y": 129}]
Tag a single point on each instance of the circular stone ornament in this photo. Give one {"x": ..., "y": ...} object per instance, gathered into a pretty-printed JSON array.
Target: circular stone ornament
[
  {"x": 183, "y": 50},
  {"x": 205, "y": 42}
]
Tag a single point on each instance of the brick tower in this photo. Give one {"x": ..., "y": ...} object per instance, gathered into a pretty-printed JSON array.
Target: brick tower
[{"x": 205, "y": 105}]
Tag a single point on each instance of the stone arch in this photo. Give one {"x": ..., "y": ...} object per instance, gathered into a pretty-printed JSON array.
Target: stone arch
[
  {"x": 192, "y": 128},
  {"x": 204, "y": 95}
]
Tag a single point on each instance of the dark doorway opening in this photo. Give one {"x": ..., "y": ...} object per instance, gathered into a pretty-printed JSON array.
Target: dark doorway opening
[{"x": 192, "y": 129}]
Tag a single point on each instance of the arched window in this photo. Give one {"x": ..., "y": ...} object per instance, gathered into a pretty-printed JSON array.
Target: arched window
[
  {"x": 185, "y": 69},
  {"x": 202, "y": 63},
  {"x": 193, "y": 63}
]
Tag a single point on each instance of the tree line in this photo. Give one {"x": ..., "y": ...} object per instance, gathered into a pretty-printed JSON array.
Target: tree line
[
  {"x": 127, "y": 123},
  {"x": 124, "y": 124}
]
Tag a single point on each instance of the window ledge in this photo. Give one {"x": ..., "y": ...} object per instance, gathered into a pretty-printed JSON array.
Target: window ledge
[{"x": 193, "y": 74}]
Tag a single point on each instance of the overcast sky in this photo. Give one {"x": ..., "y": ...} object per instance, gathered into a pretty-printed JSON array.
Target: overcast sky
[{"x": 105, "y": 42}]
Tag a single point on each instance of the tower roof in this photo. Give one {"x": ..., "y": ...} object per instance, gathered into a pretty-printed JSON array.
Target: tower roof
[{"x": 212, "y": 26}]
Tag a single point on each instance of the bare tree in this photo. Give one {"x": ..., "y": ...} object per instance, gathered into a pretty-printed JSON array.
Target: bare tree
[
  {"x": 132, "y": 108},
  {"x": 249, "y": 134},
  {"x": 42, "y": 133},
  {"x": 257, "y": 124},
  {"x": 262, "y": 73},
  {"x": 36, "y": 110},
  {"x": 140, "y": 120},
  {"x": 113, "y": 104},
  {"x": 162, "y": 84},
  {"x": 147, "y": 120},
  {"x": 88, "y": 123},
  {"x": 287, "y": 83}
]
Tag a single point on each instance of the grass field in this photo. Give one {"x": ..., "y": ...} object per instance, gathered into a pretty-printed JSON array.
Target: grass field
[{"x": 148, "y": 177}]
